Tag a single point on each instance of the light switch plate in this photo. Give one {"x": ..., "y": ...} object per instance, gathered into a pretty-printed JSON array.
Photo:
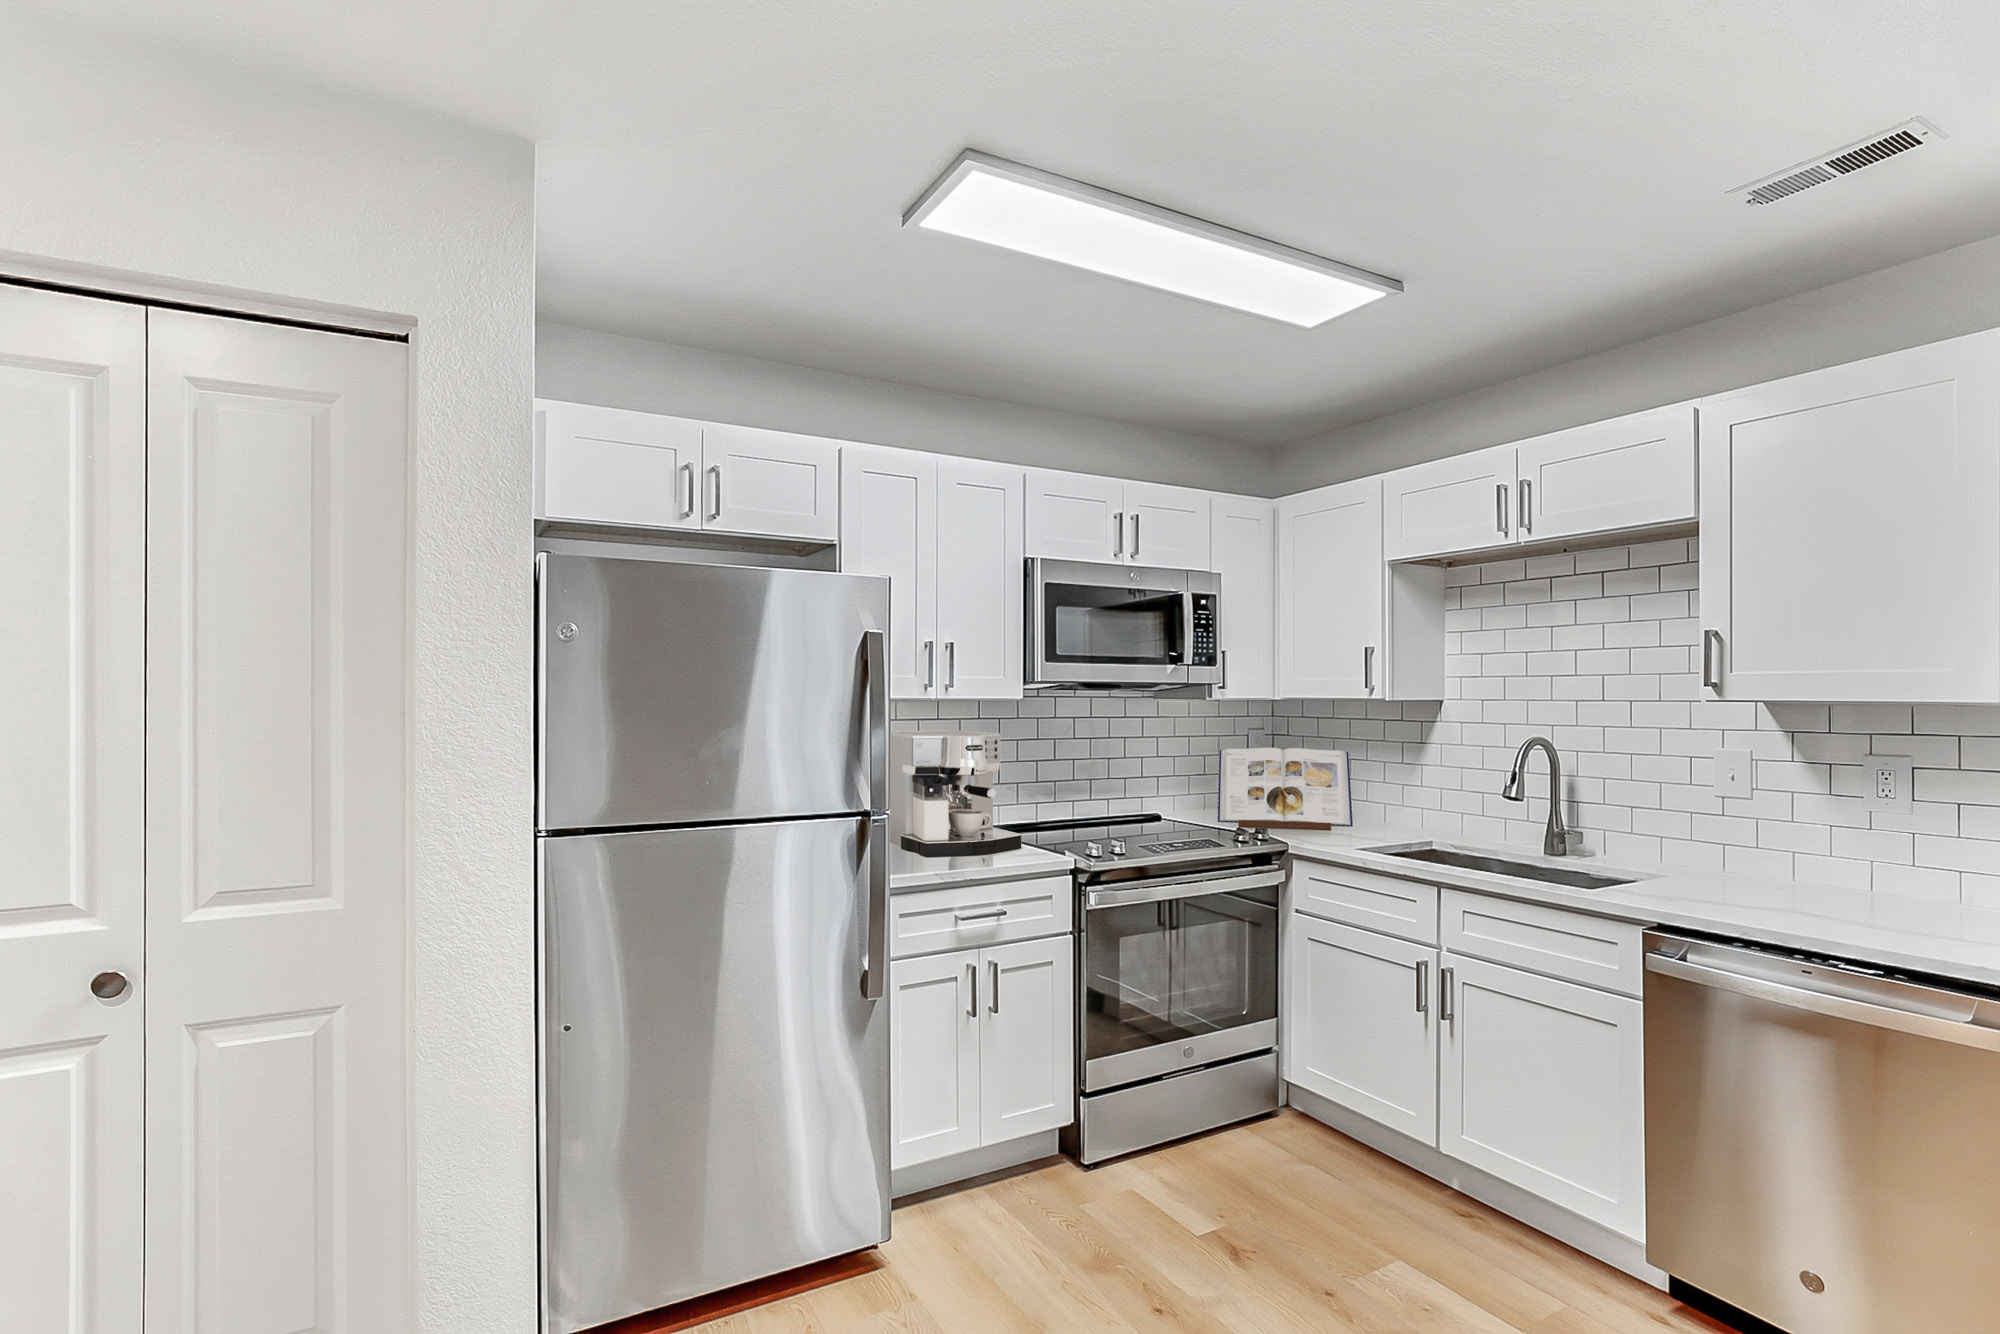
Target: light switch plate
[
  {"x": 1885, "y": 783},
  {"x": 1732, "y": 773}
]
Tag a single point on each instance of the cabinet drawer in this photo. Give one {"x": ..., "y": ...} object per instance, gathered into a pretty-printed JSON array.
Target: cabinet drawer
[
  {"x": 1406, "y": 908},
  {"x": 929, "y": 920},
  {"x": 1577, "y": 947}
]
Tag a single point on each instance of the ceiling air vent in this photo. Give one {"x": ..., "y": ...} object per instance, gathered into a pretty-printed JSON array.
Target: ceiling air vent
[{"x": 1831, "y": 167}]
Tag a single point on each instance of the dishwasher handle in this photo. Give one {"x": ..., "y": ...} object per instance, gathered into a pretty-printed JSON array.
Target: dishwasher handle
[{"x": 1836, "y": 1005}]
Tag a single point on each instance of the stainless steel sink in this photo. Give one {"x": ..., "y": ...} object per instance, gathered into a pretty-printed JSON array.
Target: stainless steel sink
[{"x": 1476, "y": 861}]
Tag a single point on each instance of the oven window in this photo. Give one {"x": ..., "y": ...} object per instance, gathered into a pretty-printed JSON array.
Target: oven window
[
  {"x": 1090, "y": 623},
  {"x": 1178, "y": 969}
]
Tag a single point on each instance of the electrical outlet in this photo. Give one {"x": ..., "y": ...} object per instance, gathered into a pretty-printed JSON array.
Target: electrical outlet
[
  {"x": 1886, "y": 781},
  {"x": 1732, "y": 773}
]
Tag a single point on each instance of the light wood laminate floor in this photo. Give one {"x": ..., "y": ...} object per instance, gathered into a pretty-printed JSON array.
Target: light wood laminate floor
[{"x": 1278, "y": 1227}]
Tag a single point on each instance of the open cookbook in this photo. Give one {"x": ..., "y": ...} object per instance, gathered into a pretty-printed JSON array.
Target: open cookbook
[{"x": 1304, "y": 786}]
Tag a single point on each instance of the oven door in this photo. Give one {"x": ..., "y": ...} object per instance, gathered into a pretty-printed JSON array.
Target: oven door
[
  {"x": 1108, "y": 624},
  {"x": 1177, "y": 973}
]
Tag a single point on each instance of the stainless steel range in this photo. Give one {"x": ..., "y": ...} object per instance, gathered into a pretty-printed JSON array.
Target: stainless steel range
[{"x": 1176, "y": 976}]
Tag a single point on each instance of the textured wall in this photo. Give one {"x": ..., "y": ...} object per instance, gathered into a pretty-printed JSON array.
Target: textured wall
[
  {"x": 135, "y": 158},
  {"x": 1599, "y": 652}
]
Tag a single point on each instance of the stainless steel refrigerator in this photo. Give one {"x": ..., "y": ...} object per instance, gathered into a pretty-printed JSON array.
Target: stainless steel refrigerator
[{"x": 713, "y": 914}]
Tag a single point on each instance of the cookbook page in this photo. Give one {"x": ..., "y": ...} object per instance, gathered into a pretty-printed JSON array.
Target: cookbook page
[
  {"x": 1247, "y": 779},
  {"x": 1312, "y": 788}
]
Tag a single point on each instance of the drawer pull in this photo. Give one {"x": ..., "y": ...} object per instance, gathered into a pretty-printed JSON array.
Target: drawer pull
[{"x": 986, "y": 915}]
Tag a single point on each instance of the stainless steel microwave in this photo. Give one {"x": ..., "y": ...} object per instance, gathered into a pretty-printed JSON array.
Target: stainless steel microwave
[{"x": 1112, "y": 626}]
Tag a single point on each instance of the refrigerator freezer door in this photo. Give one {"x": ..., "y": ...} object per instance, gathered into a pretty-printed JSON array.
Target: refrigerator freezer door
[
  {"x": 715, "y": 1086},
  {"x": 700, "y": 694}
]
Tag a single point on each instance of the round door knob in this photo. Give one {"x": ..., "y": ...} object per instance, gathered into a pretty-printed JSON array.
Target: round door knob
[{"x": 108, "y": 986}]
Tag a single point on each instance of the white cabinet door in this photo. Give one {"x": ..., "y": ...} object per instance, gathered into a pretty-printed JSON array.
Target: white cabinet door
[
  {"x": 1359, "y": 1025},
  {"x": 1243, "y": 541},
  {"x": 1074, "y": 516},
  {"x": 1850, "y": 530},
  {"x": 770, "y": 483},
  {"x": 1330, "y": 592},
  {"x": 1457, "y": 504},
  {"x": 276, "y": 803},
  {"x": 1027, "y": 1042},
  {"x": 1636, "y": 471},
  {"x": 1543, "y": 1085},
  {"x": 980, "y": 578},
  {"x": 608, "y": 465},
  {"x": 889, "y": 527},
  {"x": 72, "y": 793},
  {"x": 1167, "y": 526},
  {"x": 933, "y": 1057}
]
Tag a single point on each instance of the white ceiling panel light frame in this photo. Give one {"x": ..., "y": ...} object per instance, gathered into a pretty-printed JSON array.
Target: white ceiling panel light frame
[{"x": 1002, "y": 203}]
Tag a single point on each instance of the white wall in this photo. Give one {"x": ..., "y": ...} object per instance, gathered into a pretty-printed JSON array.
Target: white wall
[
  {"x": 129, "y": 157},
  {"x": 585, "y": 366},
  {"x": 1939, "y": 296}
]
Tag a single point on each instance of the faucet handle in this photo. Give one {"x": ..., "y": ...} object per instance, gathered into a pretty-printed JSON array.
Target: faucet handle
[{"x": 1572, "y": 842}]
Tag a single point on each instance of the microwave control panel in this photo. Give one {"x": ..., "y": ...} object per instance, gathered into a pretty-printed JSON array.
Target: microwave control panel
[{"x": 1202, "y": 638}]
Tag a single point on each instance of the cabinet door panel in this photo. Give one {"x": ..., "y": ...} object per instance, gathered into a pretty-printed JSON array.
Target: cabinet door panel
[
  {"x": 934, "y": 1058},
  {"x": 1074, "y": 516},
  {"x": 1452, "y": 505},
  {"x": 888, "y": 527},
  {"x": 1167, "y": 526},
  {"x": 1850, "y": 542},
  {"x": 1330, "y": 592},
  {"x": 1027, "y": 1042},
  {"x": 1543, "y": 1085},
  {"x": 607, "y": 465},
  {"x": 980, "y": 578},
  {"x": 1353, "y": 1032},
  {"x": 770, "y": 483},
  {"x": 1243, "y": 540},
  {"x": 1630, "y": 472}
]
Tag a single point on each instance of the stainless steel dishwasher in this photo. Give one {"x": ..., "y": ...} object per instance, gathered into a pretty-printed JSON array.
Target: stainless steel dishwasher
[{"x": 1822, "y": 1139}]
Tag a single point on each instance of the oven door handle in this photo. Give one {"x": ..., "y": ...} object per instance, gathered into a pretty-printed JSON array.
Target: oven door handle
[{"x": 1182, "y": 887}]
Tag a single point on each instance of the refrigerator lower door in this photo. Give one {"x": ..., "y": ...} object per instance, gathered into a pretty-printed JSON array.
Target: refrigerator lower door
[
  {"x": 701, "y": 694},
  {"x": 715, "y": 1086}
]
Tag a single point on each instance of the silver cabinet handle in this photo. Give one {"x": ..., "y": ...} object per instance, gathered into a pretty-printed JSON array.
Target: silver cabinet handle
[
  {"x": 1524, "y": 512},
  {"x": 1500, "y": 507},
  {"x": 1118, "y": 531},
  {"x": 1368, "y": 670},
  {"x": 109, "y": 986},
  {"x": 1444, "y": 994},
  {"x": 715, "y": 473},
  {"x": 993, "y": 986},
  {"x": 1135, "y": 532},
  {"x": 972, "y": 996},
  {"x": 951, "y": 664},
  {"x": 1711, "y": 659},
  {"x": 687, "y": 490},
  {"x": 930, "y": 664},
  {"x": 1423, "y": 986},
  {"x": 984, "y": 915}
]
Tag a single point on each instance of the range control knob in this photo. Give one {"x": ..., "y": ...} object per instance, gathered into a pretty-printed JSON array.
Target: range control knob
[
  {"x": 1118, "y": 847},
  {"x": 1262, "y": 836},
  {"x": 1093, "y": 849},
  {"x": 1242, "y": 837}
]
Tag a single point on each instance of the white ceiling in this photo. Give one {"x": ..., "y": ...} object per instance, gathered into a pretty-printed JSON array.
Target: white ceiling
[{"x": 1546, "y": 176}]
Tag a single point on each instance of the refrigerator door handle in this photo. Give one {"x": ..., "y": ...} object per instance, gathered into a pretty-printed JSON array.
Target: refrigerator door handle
[{"x": 875, "y": 963}]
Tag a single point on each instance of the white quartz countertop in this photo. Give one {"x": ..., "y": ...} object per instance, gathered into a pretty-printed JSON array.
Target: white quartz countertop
[
  {"x": 908, "y": 870},
  {"x": 1884, "y": 929}
]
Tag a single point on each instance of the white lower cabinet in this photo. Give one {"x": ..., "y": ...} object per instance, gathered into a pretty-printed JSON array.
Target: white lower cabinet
[
  {"x": 982, "y": 1047},
  {"x": 1533, "y": 1079}
]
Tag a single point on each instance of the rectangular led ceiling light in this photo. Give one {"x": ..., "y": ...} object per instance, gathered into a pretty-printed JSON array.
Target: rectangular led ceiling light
[{"x": 1039, "y": 213}]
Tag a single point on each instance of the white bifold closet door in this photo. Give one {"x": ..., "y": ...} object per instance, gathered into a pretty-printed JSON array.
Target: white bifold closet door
[
  {"x": 276, "y": 1082},
  {"x": 72, "y": 811}
]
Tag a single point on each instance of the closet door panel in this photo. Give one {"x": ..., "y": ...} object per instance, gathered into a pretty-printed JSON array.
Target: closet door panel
[{"x": 276, "y": 933}]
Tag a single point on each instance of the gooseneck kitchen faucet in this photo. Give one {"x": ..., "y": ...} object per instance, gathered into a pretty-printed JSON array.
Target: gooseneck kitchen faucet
[{"x": 1555, "y": 842}]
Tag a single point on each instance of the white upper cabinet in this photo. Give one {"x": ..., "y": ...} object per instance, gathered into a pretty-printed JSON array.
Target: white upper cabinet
[
  {"x": 1075, "y": 516},
  {"x": 1850, "y": 537},
  {"x": 1624, "y": 475},
  {"x": 946, "y": 533},
  {"x": 1349, "y": 626},
  {"x": 1243, "y": 540},
  {"x": 608, "y": 465},
  {"x": 1458, "y": 504},
  {"x": 596, "y": 465}
]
